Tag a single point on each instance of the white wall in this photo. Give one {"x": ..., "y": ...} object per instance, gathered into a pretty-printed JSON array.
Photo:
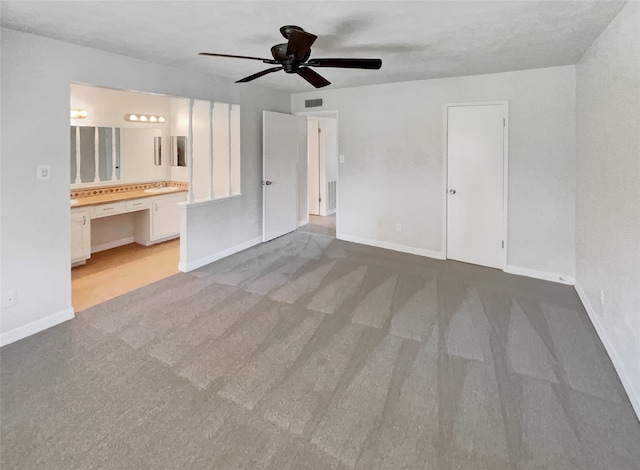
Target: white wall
[
  {"x": 392, "y": 139},
  {"x": 608, "y": 191},
  {"x": 36, "y": 73}
]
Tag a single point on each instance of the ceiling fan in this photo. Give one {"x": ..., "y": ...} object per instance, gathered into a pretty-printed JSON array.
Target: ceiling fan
[{"x": 293, "y": 57}]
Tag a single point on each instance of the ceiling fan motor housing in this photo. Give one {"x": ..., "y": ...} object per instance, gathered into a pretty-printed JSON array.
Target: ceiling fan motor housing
[{"x": 290, "y": 63}]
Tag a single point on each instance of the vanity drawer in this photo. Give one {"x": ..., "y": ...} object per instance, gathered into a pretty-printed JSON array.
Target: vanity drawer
[
  {"x": 137, "y": 204},
  {"x": 105, "y": 210}
]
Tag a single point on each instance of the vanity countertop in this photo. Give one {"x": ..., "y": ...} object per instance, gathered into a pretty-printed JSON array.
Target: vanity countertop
[{"x": 123, "y": 196}]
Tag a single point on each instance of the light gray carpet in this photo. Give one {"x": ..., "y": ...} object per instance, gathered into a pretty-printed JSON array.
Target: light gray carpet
[{"x": 308, "y": 352}]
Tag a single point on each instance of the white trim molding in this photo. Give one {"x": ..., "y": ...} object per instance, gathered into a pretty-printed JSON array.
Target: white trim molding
[
  {"x": 37, "y": 326},
  {"x": 186, "y": 267},
  {"x": 632, "y": 393},
  {"x": 392, "y": 246},
  {"x": 545, "y": 276}
]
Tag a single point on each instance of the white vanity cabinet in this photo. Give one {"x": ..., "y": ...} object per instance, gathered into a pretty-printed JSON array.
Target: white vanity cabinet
[
  {"x": 80, "y": 236},
  {"x": 151, "y": 219},
  {"x": 165, "y": 216}
]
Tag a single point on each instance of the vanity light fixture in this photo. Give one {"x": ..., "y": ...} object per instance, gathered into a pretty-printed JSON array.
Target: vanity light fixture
[
  {"x": 78, "y": 113},
  {"x": 144, "y": 118}
]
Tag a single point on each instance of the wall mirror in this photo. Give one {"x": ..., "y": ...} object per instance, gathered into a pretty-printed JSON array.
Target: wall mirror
[{"x": 109, "y": 154}]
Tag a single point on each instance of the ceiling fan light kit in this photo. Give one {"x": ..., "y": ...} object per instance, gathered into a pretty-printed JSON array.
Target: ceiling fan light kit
[{"x": 294, "y": 57}]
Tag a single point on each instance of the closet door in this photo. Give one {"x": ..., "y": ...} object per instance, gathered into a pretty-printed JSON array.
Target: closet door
[{"x": 475, "y": 183}]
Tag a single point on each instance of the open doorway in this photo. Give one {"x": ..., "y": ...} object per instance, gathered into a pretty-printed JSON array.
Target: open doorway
[{"x": 322, "y": 172}]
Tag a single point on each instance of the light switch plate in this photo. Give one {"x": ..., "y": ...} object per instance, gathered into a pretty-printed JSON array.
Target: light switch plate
[
  {"x": 341, "y": 158},
  {"x": 43, "y": 172}
]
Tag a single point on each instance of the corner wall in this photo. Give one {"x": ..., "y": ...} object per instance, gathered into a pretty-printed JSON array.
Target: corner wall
[
  {"x": 608, "y": 192},
  {"x": 392, "y": 139},
  {"x": 35, "y": 233}
]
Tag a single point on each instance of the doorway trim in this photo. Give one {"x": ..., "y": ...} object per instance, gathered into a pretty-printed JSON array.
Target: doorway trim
[
  {"x": 333, "y": 114},
  {"x": 505, "y": 173}
]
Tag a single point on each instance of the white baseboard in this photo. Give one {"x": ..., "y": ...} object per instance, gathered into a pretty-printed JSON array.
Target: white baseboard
[
  {"x": 186, "y": 267},
  {"x": 34, "y": 327},
  {"x": 392, "y": 246},
  {"x": 634, "y": 395},
  {"x": 545, "y": 276},
  {"x": 303, "y": 222},
  {"x": 113, "y": 244}
]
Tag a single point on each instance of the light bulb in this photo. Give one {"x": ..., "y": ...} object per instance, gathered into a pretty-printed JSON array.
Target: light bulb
[
  {"x": 78, "y": 113},
  {"x": 161, "y": 119},
  {"x": 133, "y": 117},
  {"x": 153, "y": 118},
  {"x": 143, "y": 118}
]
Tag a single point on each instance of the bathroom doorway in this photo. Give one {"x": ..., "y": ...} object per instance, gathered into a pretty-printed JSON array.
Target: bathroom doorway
[{"x": 322, "y": 172}]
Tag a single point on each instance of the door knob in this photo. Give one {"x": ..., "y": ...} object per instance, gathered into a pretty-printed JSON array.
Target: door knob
[
  {"x": 268, "y": 183},
  {"x": 452, "y": 191}
]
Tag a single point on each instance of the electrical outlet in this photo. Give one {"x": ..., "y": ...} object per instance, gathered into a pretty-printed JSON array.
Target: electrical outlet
[
  {"x": 602, "y": 297},
  {"x": 341, "y": 158},
  {"x": 43, "y": 172},
  {"x": 398, "y": 227},
  {"x": 9, "y": 299}
]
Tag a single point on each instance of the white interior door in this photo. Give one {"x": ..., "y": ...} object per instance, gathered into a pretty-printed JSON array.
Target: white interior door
[
  {"x": 475, "y": 183},
  {"x": 314, "y": 167},
  {"x": 281, "y": 139}
]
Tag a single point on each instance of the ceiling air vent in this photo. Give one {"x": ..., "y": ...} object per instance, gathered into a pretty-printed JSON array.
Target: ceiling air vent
[{"x": 313, "y": 103}]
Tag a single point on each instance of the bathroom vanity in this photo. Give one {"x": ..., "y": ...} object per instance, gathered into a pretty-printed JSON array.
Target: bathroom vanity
[{"x": 146, "y": 215}]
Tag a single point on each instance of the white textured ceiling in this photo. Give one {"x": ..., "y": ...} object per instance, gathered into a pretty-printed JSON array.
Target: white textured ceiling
[{"x": 414, "y": 39}]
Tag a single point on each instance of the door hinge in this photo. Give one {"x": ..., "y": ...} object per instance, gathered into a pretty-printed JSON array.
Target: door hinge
[
  {"x": 504, "y": 122},
  {"x": 319, "y": 130},
  {"x": 319, "y": 199},
  {"x": 502, "y": 243}
]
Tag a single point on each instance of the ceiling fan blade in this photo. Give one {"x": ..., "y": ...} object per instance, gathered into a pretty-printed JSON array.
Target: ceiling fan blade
[
  {"x": 258, "y": 75},
  {"x": 373, "y": 64},
  {"x": 211, "y": 54},
  {"x": 300, "y": 43},
  {"x": 313, "y": 77}
]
